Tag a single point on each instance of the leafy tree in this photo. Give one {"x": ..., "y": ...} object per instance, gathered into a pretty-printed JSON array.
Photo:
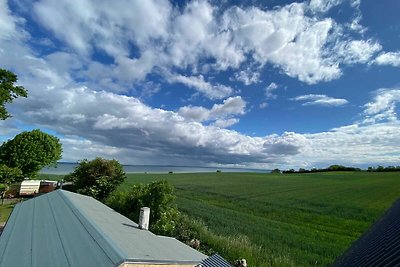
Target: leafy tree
[
  {"x": 10, "y": 175},
  {"x": 276, "y": 171},
  {"x": 8, "y": 91},
  {"x": 97, "y": 178},
  {"x": 31, "y": 151},
  {"x": 158, "y": 196}
]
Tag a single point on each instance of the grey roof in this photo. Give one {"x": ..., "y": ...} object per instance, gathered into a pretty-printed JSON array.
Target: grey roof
[
  {"x": 379, "y": 246},
  {"x": 67, "y": 229},
  {"x": 214, "y": 261}
]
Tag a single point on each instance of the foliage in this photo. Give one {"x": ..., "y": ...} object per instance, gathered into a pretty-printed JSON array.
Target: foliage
[
  {"x": 31, "y": 151},
  {"x": 276, "y": 171},
  {"x": 384, "y": 169},
  {"x": 10, "y": 175},
  {"x": 2, "y": 188},
  {"x": 158, "y": 196},
  {"x": 305, "y": 219},
  {"x": 8, "y": 91},
  {"x": 332, "y": 168},
  {"x": 97, "y": 178}
]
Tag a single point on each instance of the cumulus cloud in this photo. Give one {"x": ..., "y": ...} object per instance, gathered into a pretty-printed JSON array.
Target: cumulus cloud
[
  {"x": 67, "y": 89},
  {"x": 323, "y": 5},
  {"x": 218, "y": 113},
  {"x": 320, "y": 100},
  {"x": 198, "y": 37},
  {"x": 390, "y": 58},
  {"x": 383, "y": 106},
  {"x": 247, "y": 76},
  {"x": 357, "y": 51},
  {"x": 198, "y": 83}
]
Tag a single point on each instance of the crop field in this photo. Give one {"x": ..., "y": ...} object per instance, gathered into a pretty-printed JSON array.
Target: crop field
[{"x": 282, "y": 219}]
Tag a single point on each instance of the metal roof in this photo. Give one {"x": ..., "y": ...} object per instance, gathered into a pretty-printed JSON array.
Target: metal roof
[
  {"x": 214, "y": 261},
  {"x": 379, "y": 246},
  {"x": 67, "y": 229}
]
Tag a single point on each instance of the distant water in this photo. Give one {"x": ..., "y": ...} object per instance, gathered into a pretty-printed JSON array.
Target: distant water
[{"x": 64, "y": 168}]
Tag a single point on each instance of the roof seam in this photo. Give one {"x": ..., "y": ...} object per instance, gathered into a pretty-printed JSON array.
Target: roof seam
[
  {"x": 58, "y": 230},
  {"x": 32, "y": 230},
  {"x": 82, "y": 217}
]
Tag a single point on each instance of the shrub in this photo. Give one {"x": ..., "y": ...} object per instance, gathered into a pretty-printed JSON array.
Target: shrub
[
  {"x": 158, "y": 196},
  {"x": 97, "y": 178}
]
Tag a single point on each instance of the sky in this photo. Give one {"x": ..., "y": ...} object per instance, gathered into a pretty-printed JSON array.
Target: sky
[{"x": 260, "y": 84}]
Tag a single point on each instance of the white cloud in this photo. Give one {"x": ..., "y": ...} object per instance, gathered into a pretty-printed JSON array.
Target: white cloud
[
  {"x": 225, "y": 123},
  {"x": 323, "y": 5},
  {"x": 390, "y": 58},
  {"x": 320, "y": 100},
  {"x": 269, "y": 90},
  {"x": 95, "y": 122},
  {"x": 383, "y": 107},
  {"x": 198, "y": 83},
  {"x": 358, "y": 51},
  {"x": 201, "y": 37},
  {"x": 263, "y": 105},
  {"x": 218, "y": 113},
  {"x": 247, "y": 76},
  {"x": 286, "y": 38},
  {"x": 8, "y": 23}
]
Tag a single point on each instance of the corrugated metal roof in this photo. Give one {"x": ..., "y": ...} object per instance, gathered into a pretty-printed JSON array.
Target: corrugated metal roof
[
  {"x": 379, "y": 246},
  {"x": 214, "y": 261},
  {"x": 67, "y": 229}
]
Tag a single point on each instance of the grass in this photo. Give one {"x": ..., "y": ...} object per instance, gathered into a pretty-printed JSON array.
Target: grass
[
  {"x": 277, "y": 219},
  {"x": 5, "y": 211}
]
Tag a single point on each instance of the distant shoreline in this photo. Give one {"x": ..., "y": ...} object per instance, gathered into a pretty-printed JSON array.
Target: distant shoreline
[{"x": 68, "y": 167}]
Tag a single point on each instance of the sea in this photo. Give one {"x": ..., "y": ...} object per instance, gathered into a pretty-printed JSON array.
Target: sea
[{"x": 66, "y": 167}]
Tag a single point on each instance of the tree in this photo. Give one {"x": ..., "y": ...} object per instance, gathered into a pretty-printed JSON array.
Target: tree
[
  {"x": 9, "y": 175},
  {"x": 276, "y": 171},
  {"x": 158, "y": 196},
  {"x": 30, "y": 152},
  {"x": 8, "y": 91},
  {"x": 97, "y": 178}
]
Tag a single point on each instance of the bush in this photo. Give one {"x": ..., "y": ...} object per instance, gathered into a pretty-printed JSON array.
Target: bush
[
  {"x": 158, "y": 196},
  {"x": 97, "y": 178}
]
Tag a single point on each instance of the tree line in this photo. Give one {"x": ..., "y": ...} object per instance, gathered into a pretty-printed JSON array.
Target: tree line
[{"x": 335, "y": 168}]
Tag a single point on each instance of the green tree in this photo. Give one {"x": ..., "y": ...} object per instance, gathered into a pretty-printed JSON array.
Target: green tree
[
  {"x": 9, "y": 175},
  {"x": 30, "y": 152},
  {"x": 97, "y": 178},
  {"x": 8, "y": 91},
  {"x": 276, "y": 171},
  {"x": 158, "y": 196}
]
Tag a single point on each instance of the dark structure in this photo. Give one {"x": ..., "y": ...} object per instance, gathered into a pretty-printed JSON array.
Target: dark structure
[
  {"x": 214, "y": 261},
  {"x": 379, "y": 246}
]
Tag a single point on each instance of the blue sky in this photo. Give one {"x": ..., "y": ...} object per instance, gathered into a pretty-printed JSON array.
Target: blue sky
[{"x": 261, "y": 84}]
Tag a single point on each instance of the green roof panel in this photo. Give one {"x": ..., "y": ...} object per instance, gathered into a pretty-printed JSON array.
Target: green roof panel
[{"x": 67, "y": 229}]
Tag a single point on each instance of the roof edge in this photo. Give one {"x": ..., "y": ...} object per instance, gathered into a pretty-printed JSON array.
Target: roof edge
[{"x": 161, "y": 262}]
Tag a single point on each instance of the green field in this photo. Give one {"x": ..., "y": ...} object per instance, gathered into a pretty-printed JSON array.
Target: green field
[{"x": 282, "y": 219}]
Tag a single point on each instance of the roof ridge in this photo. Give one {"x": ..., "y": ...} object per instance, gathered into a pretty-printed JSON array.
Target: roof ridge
[{"x": 110, "y": 248}]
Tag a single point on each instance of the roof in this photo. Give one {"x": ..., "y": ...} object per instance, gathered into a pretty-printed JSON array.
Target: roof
[
  {"x": 214, "y": 261},
  {"x": 379, "y": 246},
  {"x": 30, "y": 182},
  {"x": 68, "y": 229}
]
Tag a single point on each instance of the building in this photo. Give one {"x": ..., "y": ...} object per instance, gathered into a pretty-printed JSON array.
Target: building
[
  {"x": 61, "y": 228},
  {"x": 34, "y": 187}
]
